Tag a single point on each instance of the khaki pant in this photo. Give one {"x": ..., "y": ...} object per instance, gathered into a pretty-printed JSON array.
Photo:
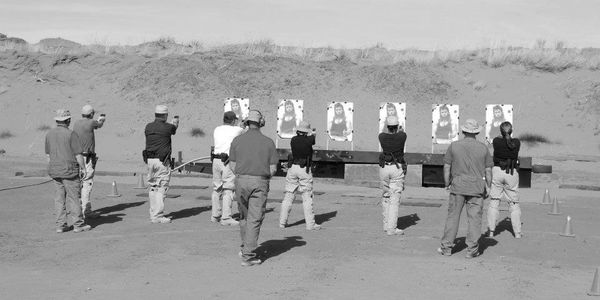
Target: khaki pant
[
  {"x": 86, "y": 187},
  {"x": 504, "y": 186},
  {"x": 392, "y": 185},
  {"x": 223, "y": 188},
  {"x": 474, "y": 213},
  {"x": 251, "y": 195},
  {"x": 298, "y": 180},
  {"x": 159, "y": 175},
  {"x": 67, "y": 203}
]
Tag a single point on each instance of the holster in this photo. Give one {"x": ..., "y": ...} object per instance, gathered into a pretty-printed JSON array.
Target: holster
[
  {"x": 290, "y": 160},
  {"x": 509, "y": 165}
]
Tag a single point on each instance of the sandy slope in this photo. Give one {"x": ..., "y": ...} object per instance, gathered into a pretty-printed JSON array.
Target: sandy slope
[{"x": 561, "y": 106}]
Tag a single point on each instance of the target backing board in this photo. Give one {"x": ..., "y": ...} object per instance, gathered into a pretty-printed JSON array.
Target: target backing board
[
  {"x": 289, "y": 115},
  {"x": 495, "y": 114},
  {"x": 240, "y": 106},
  {"x": 444, "y": 124},
  {"x": 392, "y": 109},
  {"x": 339, "y": 121}
]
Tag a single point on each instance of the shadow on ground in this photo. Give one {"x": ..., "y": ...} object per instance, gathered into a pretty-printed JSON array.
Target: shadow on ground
[
  {"x": 484, "y": 243},
  {"x": 188, "y": 212},
  {"x": 272, "y": 248},
  {"x": 407, "y": 221},
  {"x": 319, "y": 219}
]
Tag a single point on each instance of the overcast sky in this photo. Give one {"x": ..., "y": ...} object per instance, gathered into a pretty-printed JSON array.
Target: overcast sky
[{"x": 425, "y": 24}]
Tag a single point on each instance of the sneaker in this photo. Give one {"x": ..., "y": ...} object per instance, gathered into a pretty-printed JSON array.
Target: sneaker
[
  {"x": 490, "y": 233},
  {"x": 215, "y": 219},
  {"x": 444, "y": 252},
  {"x": 518, "y": 235},
  {"x": 82, "y": 228},
  {"x": 472, "y": 254},
  {"x": 395, "y": 231},
  {"x": 314, "y": 227},
  {"x": 161, "y": 220},
  {"x": 229, "y": 221},
  {"x": 240, "y": 254},
  {"x": 251, "y": 262},
  {"x": 282, "y": 226},
  {"x": 92, "y": 215}
]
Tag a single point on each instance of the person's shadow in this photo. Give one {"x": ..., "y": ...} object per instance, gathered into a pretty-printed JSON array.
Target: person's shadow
[
  {"x": 504, "y": 225},
  {"x": 407, "y": 221},
  {"x": 319, "y": 219},
  {"x": 272, "y": 248},
  {"x": 188, "y": 212},
  {"x": 105, "y": 213},
  {"x": 484, "y": 243}
]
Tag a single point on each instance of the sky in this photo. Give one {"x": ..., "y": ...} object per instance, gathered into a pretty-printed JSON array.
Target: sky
[{"x": 394, "y": 24}]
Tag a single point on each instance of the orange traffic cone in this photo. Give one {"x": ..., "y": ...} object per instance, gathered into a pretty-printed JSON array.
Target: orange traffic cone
[
  {"x": 546, "y": 199},
  {"x": 595, "y": 290},
  {"x": 568, "y": 230},
  {"x": 555, "y": 210},
  {"x": 140, "y": 183},
  {"x": 114, "y": 190}
]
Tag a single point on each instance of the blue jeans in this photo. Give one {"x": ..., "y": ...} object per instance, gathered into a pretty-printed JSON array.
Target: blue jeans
[
  {"x": 67, "y": 202},
  {"x": 251, "y": 196},
  {"x": 474, "y": 215}
]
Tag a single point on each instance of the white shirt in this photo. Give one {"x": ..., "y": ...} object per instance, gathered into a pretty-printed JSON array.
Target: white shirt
[{"x": 224, "y": 135}]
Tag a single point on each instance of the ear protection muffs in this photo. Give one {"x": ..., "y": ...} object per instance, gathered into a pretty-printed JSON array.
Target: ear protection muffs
[{"x": 261, "y": 121}]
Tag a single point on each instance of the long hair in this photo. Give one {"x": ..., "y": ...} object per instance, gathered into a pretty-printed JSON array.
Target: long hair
[
  {"x": 506, "y": 131},
  {"x": 335, "y": 106},
  {"x": 498, "y": 108},
  {"x": 285, "y": 112},
  {"x": 447, "y": 117},
  {"x": 239, "y": 110},
  {"x": 392, "y": 106}
]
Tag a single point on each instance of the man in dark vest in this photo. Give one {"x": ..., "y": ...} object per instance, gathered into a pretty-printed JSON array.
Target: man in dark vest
[
  {"x": 299, "y": 177},
  {"x": 392, "y": 173},
  {"x": 158, "y": 157}
]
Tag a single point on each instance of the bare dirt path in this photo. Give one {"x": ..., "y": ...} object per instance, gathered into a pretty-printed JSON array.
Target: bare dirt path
[{"x": 126, "y": 257}]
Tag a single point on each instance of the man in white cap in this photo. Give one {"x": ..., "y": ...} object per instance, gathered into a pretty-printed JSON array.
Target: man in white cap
[
  {"x": 392, "y": 173},
  {"x": 158, "y": 157},
  {"x": 467, "y": 174},
  {"x": 85, "y": 130},
  {"x": 223, "y": 177},
  {"x": 65, "y": 166},
  {"x": 299, "y": 177},
  {"x": 253, "y": 159}
]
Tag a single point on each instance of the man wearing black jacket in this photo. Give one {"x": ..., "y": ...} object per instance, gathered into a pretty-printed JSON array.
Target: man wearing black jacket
[
  {"x": 158, "y": 157},
  {"x": 299, "y": 177}
]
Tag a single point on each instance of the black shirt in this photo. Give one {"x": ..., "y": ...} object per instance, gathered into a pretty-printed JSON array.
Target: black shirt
[
  {"x": 393, "y": 142},
  {"x": 501, "y": 151},
  {"x": 302, "y": 146},
  {"x": 158, "y": 138}
]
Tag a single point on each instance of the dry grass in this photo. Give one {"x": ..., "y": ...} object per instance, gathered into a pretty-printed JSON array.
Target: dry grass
[
  {"x": 533, "y": 139},
  {"x": 197, "y": 132},
  {"x": 541, "y": 57},
  {"x": 44, "y": 127}
]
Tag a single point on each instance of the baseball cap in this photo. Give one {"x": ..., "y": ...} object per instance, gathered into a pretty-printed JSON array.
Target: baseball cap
[
  {"x": 87, "y": 110},
  {"x": 62, "y": 115},
  {"x": 161, "y": 109}
]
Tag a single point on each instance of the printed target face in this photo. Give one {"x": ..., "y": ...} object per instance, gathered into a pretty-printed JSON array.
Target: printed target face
[
  {"x": 339, "y": 121},
  {"x": 289, "y": 115},
  {"x": 444, "y": 124},
  {"x": 495, "y": 114},
  {"x": 387, "y": 109},
  {"x": 240, "y": 106}
]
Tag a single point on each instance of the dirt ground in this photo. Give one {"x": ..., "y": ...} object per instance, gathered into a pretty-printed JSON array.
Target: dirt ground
[{"x": 124, "y": 256}]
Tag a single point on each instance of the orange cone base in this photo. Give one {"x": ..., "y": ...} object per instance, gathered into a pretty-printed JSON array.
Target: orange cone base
[
  {"x": 554, "y": 214},
  {"x": 114, "y": 195}
]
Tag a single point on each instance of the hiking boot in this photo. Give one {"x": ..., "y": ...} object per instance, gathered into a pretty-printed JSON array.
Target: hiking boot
[
  {"x": 229, "y": 222},
  {"x": 472, "y": 254},
  {"x": 215, "y": 219},
  {"x": 82, "y": 228},
  {"x": 444, "y": 252},
  {"x": 251, "y": 262},
  {"x": 314, "y": 227},
  {"x": 161, "y": 220},
  {"x": 395, "y": 231}
]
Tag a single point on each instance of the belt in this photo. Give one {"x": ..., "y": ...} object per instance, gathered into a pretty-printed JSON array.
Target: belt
[
  {"x": 253, "y": 177},
  {"x": 390, "y": 163}
]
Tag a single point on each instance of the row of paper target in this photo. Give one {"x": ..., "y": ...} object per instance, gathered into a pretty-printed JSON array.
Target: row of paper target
[{"x": 340, "y": 116}]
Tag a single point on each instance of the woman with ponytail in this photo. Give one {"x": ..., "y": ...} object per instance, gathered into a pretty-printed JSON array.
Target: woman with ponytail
[{"x": 505, "y": 179}]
